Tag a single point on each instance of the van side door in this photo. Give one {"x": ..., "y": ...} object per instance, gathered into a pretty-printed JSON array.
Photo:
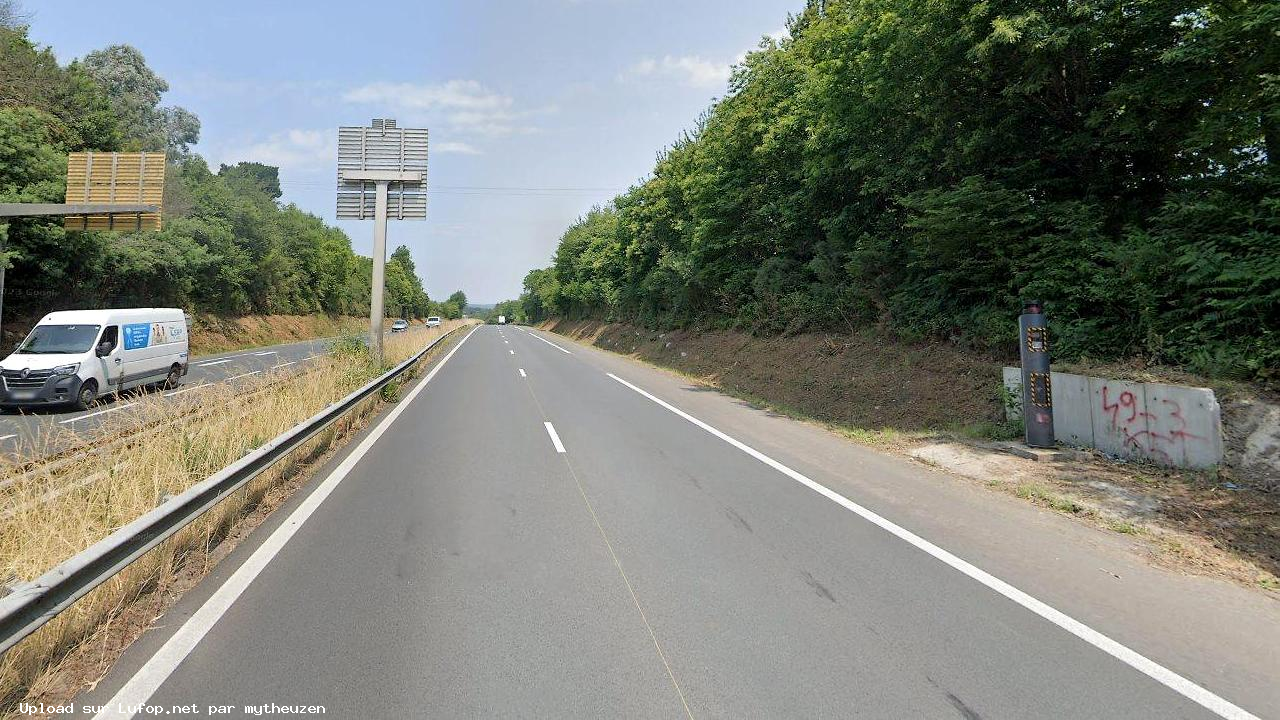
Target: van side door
[{"x": 113, "y": 362}]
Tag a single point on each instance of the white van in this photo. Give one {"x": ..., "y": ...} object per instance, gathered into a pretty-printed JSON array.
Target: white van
[{"x": 73, "y": 356}]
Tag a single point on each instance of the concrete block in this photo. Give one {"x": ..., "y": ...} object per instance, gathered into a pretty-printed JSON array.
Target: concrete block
[
  {"x": 1119, "y": 411},
  {"x": 1072, "y": 409},
  {"x": 1184, "y": 426}
]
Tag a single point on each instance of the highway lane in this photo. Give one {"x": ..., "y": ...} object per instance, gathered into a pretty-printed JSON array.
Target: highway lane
[
  {"x": 19, "y": 430},
  {"x": 529, "y": 536}
]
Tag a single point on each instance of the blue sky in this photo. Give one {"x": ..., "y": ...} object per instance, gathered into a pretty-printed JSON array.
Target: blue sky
[{"x": 576, "y": 95}]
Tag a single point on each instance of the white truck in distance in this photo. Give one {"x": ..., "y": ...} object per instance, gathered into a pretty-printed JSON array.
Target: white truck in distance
[
  {"x": 502, "y": 319},
  {"x": 74, "y": 356}
]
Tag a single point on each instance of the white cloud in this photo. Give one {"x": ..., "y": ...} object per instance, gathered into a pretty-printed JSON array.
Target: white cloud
[
  {"x": 293, "y": 151},
  {"x": 691, "y": 70},
  {"x": 459, "y": 148},
  {"x": 466, "y": 106},
  {"x": 451, "y": 95},
  {"x": 694, "y": 70}
]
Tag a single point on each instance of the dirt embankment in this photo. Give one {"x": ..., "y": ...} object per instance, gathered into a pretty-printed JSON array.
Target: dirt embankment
[
  {"x": 213, "y": 334},
  {"x": 859, "y": 381}
]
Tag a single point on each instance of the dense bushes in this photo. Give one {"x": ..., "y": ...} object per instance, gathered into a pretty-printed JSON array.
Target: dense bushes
[{"x": 927, "y": 165}]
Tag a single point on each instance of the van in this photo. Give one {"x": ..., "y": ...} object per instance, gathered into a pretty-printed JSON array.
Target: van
[
  {"x": 75, "y": 356},
  {"x": 433, "y": 321}
]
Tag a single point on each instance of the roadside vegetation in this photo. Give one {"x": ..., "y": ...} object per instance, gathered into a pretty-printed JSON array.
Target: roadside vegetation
[
  {"x": 49, "y": 511},
  {"x": 922, "y": 168},
  {"x": 229, "y": 246}
]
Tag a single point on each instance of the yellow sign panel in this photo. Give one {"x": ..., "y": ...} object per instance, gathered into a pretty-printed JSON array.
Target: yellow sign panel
[{"x": 115, "y": 178}]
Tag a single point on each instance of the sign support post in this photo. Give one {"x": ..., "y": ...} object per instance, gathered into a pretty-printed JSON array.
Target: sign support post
[
  {"x": 394, "y": 161},
  {"x": 379, "y": 271}
]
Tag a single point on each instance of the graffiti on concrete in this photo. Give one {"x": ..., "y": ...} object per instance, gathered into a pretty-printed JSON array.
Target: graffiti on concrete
[{"x": 1158, "y": 433}]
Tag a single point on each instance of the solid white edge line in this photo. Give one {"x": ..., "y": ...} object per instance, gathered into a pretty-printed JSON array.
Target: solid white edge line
[
  {"x": 539, "y": 337},
  {"x": 237, "y": 377},
  {"x": 161, "y": 665},
  {"x": 555, "y": 439},
  {"x": 522, "y": 374},
  {"x": 277, "y": 367},
  {"x": 94, "y": 414},
  {"x": 187, "y": 390},
  {"x": 6, "y": 437},
  {"x": 1132, "y": 658}
]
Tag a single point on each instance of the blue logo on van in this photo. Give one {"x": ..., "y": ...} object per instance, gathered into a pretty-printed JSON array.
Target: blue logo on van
[{"x": 136, "y": 336}]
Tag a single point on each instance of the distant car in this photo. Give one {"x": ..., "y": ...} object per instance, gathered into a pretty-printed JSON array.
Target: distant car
[
  {"x": 399, "y": 326},
  {"x": 433, "y": 321}
]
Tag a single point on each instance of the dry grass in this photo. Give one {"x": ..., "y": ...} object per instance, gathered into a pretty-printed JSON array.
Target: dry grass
[{"x": 49, "y": 513}]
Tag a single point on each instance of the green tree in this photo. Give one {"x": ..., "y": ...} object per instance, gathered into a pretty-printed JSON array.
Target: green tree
[
  {"x": 135, "y": 92},
  {"x": 406, "y": 289},
  {"x": 924, "y": 167},
  {"x": 261, "y": 178}
]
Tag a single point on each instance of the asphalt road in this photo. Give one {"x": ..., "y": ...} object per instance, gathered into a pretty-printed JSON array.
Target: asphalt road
[
  {"x": 18, "y": 430},
  {"x": 533, "y": 533}
]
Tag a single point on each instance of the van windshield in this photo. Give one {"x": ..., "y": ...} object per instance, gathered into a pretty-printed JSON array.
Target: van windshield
[{"x": 59, "y": 339}]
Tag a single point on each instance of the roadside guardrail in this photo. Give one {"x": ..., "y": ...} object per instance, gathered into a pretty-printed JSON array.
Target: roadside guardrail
[{"x": 30, "y": 605}]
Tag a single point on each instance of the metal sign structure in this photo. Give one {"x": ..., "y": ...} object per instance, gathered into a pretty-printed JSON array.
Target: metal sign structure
[
  {"x": 382, "y": 172},
  {"x": 104, "y": 180},
  {"x": 386, "y": 149}
]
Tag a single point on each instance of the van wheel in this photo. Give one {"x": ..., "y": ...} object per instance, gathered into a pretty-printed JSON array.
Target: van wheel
[
  {"x": 88, "y": 394},
  {"x": 174, "y": 377}
]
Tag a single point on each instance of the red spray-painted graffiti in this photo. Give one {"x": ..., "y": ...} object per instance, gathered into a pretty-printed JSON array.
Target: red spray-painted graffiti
[{"x": 1160, "y": 435}]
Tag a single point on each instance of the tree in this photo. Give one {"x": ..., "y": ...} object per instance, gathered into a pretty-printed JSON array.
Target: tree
[
  {"x": 402, "y": 255},
  {"x": 459, "y": 299},
  {"x": 12, "y": 15},
  {"x": 81, "y": 116},
  {"x": 135, "y": 92},
  {"x": 409, "y": 295},
  {"x": 263, "y": 178},
  {"x": 923, "y": 167}
]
